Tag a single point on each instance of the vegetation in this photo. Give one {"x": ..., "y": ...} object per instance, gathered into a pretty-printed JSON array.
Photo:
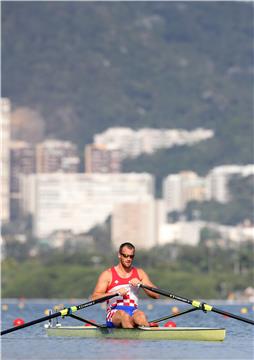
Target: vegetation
[
  {"x": 206, "y": 271},
  {"x": 93, "y": 65},
  {"x": 212, "y": 269},
  {"x": 87, "y": 66}
]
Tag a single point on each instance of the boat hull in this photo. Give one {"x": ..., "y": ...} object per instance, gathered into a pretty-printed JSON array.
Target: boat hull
[{"x": 142, "y": 333}]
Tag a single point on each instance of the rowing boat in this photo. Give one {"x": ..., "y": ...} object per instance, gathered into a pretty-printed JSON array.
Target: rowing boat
[
  {"x": 140, "y": 333},
  {"x": 150, "y": 333}
]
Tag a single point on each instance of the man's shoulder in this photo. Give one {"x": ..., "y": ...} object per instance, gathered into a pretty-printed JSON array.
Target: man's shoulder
[
  {"x": 140, "y": 271},
  {"x": 107, "y": 272},
  {"x": 138, "y": 268}
]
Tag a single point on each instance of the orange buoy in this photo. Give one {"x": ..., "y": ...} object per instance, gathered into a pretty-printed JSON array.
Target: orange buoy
[
  {"x": 149, "y": 307},
  {"x": 175, "y": 310},
  {"x": 18, "y": 321},
  {"x": 58, "y": 307},
  {"x": 244, "y": 310},
  {"x": 170, "y": 324}
]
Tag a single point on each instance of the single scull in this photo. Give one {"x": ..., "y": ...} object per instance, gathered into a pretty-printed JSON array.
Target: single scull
[
  {"x": 150, "y": 333},
  {"x": 141, "y": 333}
]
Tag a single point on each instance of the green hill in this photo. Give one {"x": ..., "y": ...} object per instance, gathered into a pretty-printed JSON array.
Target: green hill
[{"x": 86, "y": 66}]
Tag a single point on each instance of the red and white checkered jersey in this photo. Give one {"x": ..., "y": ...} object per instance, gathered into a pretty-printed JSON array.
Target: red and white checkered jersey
[{"x": 131, "y": 298}]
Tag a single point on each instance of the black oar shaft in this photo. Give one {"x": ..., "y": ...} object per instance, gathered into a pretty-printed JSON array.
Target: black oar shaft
[
  {"x": 237, "y": 317},
  {"x": 64, "y": 312},
  {"x": 166, "y": 293},
  {"x": 174, "y": 315},
  {"x": 86, "y": 321},
  {"x": 197, "y": 304},
  {"x": 30, "y": 323},
  {"x": 176, "y": 297}
]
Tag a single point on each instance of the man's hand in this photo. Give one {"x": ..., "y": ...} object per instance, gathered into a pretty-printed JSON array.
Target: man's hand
[
  {"x": 135, "y": 282},
  {"x": 122, "y": 291}
]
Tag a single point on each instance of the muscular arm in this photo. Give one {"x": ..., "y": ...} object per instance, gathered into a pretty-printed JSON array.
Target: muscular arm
[
  {"x": 101, "y": 287},
  {"x": 102, "y": 284},
  {"x": 146, "y": 281}
]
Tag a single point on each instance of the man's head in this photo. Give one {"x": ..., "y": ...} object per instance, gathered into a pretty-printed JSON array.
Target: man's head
[
  {"x": 126, "y": 254},
  {"x": 128, "y": 245}
]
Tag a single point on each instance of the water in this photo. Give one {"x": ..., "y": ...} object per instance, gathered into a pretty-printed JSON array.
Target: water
[{"x": 32, "y": 343}]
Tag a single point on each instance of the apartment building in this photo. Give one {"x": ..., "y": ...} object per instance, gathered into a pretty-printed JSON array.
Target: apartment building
[
  {"x": 78, "y": 202},
  {"x": 100, "y": 159},
  {"x": 218, "y": 178},
  {"x": 179, "y": 189},
  {"x": 22, "y": 161},
  {"x": 5, "y": 106},
  {"x": 132, "y": 143},
  {"x": 57, "y": 156},
  {"x": 138, "y": 222}
]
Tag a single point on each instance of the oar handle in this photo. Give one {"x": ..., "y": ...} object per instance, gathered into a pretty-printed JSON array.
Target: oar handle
[{"x": 96, "y": 301}]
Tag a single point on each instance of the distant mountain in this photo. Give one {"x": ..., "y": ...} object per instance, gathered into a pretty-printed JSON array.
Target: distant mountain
[{"x": 87, "y": 66}]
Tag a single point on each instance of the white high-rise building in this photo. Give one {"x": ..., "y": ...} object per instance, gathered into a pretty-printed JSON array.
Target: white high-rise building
[
  {"x": 22, "y": 161},
  {"x": 77, "y": 202},
  {"x": 218, "y": 178},
  {"x": 138, "y": 223},
  {"x": 172, "y": 192},
  {"x": 5, "y": 106},
  {"x": 182, "y": 232},
  {"x": 179, "y": 189}
]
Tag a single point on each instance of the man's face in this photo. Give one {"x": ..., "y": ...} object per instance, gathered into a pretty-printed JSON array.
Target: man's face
[{"x": 126, "y": 256}]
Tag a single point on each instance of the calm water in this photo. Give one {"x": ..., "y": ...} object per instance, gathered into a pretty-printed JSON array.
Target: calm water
[{"x": 32, "y": 344}]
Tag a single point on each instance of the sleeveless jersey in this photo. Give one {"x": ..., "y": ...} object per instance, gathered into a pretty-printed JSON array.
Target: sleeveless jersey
[{"x": 131, "y": 298}]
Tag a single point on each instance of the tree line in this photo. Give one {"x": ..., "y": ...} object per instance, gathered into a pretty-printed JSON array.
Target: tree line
[{"x": 209, "y": 270}]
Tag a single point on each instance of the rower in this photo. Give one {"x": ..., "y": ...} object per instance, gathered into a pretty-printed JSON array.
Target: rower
[{"x": 124, "y": 279}]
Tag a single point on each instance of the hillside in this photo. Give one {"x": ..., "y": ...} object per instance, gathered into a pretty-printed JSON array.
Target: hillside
[{"x": 86, "y": 66}]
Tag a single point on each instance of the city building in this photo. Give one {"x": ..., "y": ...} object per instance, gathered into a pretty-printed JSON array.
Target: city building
[
  {"x": 121, "y": 138},
  {"x": 5, "y": 106},
  {"x": 138, "y": 223},
  {"x": 133, "y": 143},
  {"x": 100, "y": 159},
  {"x": 181, "y": 232},
  {"x": 235, "y": 234},
  {"x": 57, "y": 156},
  {"x": 218, "y": 178},
  {"x": 67, "y": 239},
  {"x": 22, "y": 161},
  {"x": 179, "y": 189},
  {"x": 78, "y": 202}
]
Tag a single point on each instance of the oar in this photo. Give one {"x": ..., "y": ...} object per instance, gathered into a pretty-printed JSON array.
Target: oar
[
  {"x": 87, "y": 321},
  {"x": 197, "y": 304},
  {"x": 64, "y": 312}
]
